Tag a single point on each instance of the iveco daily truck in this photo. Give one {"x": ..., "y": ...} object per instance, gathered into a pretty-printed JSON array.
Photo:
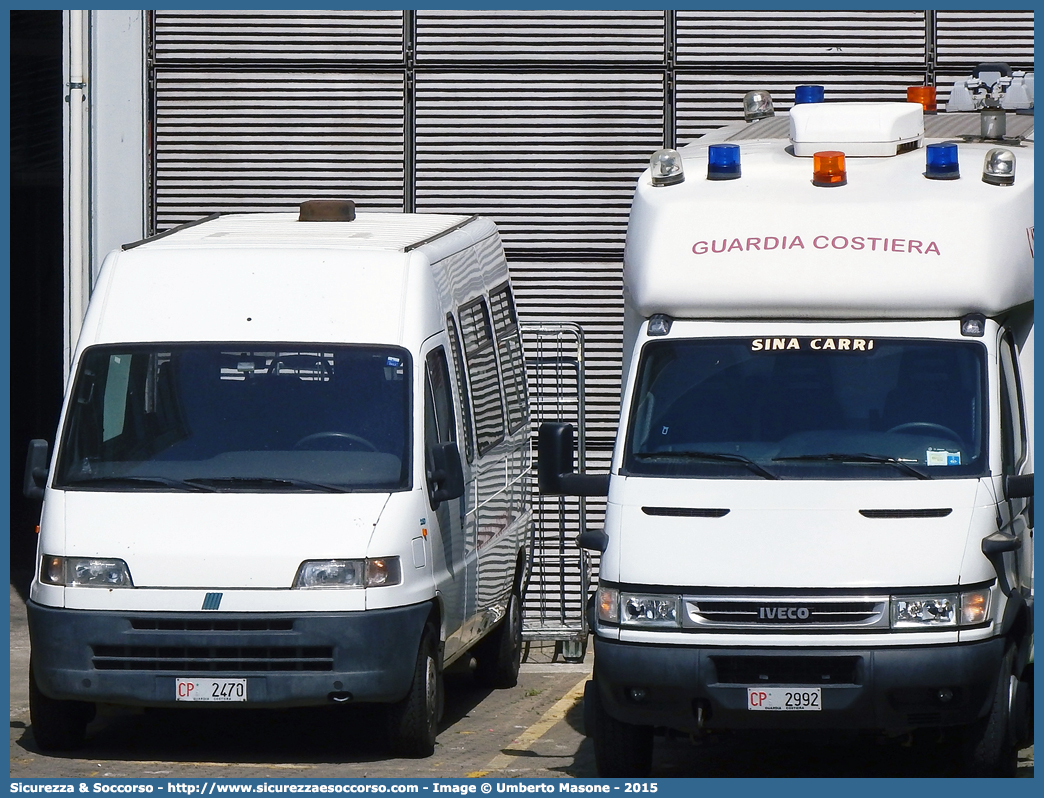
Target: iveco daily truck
[
  {"x": 291, "y": 470},
  {"x": 820, "y": 500}
]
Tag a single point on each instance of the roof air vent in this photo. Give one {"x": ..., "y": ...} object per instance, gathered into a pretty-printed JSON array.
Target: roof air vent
[
  {"x": 856, "y": 129},
  {"x": 327, "y": 211}
]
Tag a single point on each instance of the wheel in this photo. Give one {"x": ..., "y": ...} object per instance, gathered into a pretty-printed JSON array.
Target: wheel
[
  {"x": 413, "y": 721},
  {"x": 339, "y": 436},
  {"x": 499, "y": 655},
  {"x": 622, "y": 750},
  {"x": 928, "y": 426},
  {"x": 989, "y": 743},
  {"x": 57, "y": 725}
]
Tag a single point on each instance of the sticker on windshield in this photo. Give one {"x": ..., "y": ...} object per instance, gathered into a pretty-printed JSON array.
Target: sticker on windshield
[{"x": 941, "y": 457}]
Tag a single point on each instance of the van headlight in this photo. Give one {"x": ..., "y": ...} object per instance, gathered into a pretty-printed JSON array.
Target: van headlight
[
  {"x": 84, "y": 572},
  {"x": 940, "y": 611},
  {"x": 377, "y": 572}
]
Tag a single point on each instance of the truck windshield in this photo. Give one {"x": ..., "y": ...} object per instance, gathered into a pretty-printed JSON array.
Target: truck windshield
[
  {"x": 217, "y": 417},
  {"x": 809, "y": 408}
]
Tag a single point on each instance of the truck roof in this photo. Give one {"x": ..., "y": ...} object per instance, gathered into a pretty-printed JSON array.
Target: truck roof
[
  {"x": 889, "y": 243},
  {"x": 396, "y": 232}
]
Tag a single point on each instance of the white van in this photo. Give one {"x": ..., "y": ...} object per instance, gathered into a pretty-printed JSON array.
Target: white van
[
  {"x": 819, "y": 506},
  {"x": 292, "y": 469}
]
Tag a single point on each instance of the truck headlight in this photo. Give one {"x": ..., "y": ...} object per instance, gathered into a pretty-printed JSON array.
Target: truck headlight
[
  {"x": 945, "y": 610},
  {"x": 349, "y": 573},
  {"x": 84, "y": 572},
  {"x": 648, "y": 610}
]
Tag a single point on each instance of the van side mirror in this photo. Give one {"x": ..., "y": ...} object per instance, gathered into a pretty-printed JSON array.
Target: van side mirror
[
  {"x": 446, "y": 476},
  {"x": 35, "y": 469},
  {"x": 555, "y": 465},
  {"x": 1018, "y": 486}
]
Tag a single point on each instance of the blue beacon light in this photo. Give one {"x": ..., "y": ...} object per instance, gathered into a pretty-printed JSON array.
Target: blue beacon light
[
  {"x": 808, "y": 94},
  {"x": 723, "y": 162},
  {"x": 941, "y": 162}
]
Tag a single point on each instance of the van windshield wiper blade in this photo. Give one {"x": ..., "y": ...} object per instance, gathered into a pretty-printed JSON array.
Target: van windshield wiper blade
[
  {"x": 241, "y": 483},
  {"x": 129, "y": 481},
  {"x": 720, "y": 457},
  {"x": 858, "y": 457}
]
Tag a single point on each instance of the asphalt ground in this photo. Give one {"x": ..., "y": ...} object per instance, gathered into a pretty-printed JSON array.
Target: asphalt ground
[{"x": 533, "y": 730}]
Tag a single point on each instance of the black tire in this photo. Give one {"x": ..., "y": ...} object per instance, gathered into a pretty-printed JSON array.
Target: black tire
[
  {"x": 413, "y": 722},
  {"x": 57, "y": 725},
  {"x": 499, "y": 655},
  {"x": 621, "y": 749},
  {"x": 989, "y": 743}
]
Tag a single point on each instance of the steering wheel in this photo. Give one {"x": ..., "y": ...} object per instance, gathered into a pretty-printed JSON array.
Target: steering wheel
[
  {"x": 928, "y": 426},
  {"x": 344, "y": 436}
]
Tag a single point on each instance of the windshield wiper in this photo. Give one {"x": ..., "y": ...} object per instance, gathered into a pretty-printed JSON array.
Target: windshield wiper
[
  {"x": 240, "y": 483},
  {"x": 858, "y": 457},
  {"x": 167, "y": 482},
  {"x": 719, "y": 457}
]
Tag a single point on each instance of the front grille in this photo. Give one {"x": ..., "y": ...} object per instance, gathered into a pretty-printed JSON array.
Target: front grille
[
  {"x": 798, "y": 612},
  {"x": 786, "y": 670},
  {"x": 203, "y": 659},
  {"x": 185, "y": 625}
]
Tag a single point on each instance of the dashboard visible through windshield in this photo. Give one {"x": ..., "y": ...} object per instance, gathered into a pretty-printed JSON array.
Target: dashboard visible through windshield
[{"x": 809, "y": 408}]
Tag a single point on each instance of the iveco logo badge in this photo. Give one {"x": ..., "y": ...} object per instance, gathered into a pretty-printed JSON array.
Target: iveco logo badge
[
  {"x": 212, "y": 601},
  {"x": 784, "y": 614}
]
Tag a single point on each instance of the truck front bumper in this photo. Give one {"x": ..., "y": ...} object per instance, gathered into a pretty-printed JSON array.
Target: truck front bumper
[
  {"x": 134, "y": 658},
  {"x": 889, "y": 689}
]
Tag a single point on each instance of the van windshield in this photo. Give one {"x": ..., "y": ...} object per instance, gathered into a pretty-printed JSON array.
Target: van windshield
[
  {"x": 809, "y": 408},
  {"x": 228, "y": 417}
]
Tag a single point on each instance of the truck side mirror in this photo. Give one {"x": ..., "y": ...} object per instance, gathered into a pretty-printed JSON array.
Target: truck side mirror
[
  {"x": 995, "y": 546},
  {"x": 446, "y": 477},
  {"x": 555, "y": 465},
  {"x": 1018, "y": 486},
  {"x": 35, "y": 469}
]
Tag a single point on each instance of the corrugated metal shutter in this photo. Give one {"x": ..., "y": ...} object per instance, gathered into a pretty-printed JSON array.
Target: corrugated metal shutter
[
  {"x": 262, "y": 140},
  {"x": 811, "y": 39},
  {"x": 540, "y": 119},
  {"x": 251, "y": 37},
  {"x": 558, "y": 37},
  {"x": 552, "y": 157}
]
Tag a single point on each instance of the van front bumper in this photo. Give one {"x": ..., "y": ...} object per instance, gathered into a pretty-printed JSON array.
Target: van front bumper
[
  {"x": 891, "y": 689},
  {"x": 288, "y": 660}
]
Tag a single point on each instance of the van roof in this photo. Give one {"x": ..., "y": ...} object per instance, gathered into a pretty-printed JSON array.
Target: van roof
[{"x": 394, "y": 232}]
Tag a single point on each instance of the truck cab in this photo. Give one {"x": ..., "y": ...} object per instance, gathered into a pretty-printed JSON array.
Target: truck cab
[{"x": 820, "y": 501}]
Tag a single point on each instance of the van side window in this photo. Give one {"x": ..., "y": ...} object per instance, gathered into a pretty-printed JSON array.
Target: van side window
[
  {"x": 509, "y": 346},
  {"x": 1013, "y": 430},
  {"x": 462, "y": 386},
  {"x": 482, "y": 373},
  {"x": 445, "y": 430}
]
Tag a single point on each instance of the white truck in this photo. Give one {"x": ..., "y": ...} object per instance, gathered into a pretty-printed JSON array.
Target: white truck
[
  {"x": 820, "y": 499},
  {"x": 292, "y": 469}
]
